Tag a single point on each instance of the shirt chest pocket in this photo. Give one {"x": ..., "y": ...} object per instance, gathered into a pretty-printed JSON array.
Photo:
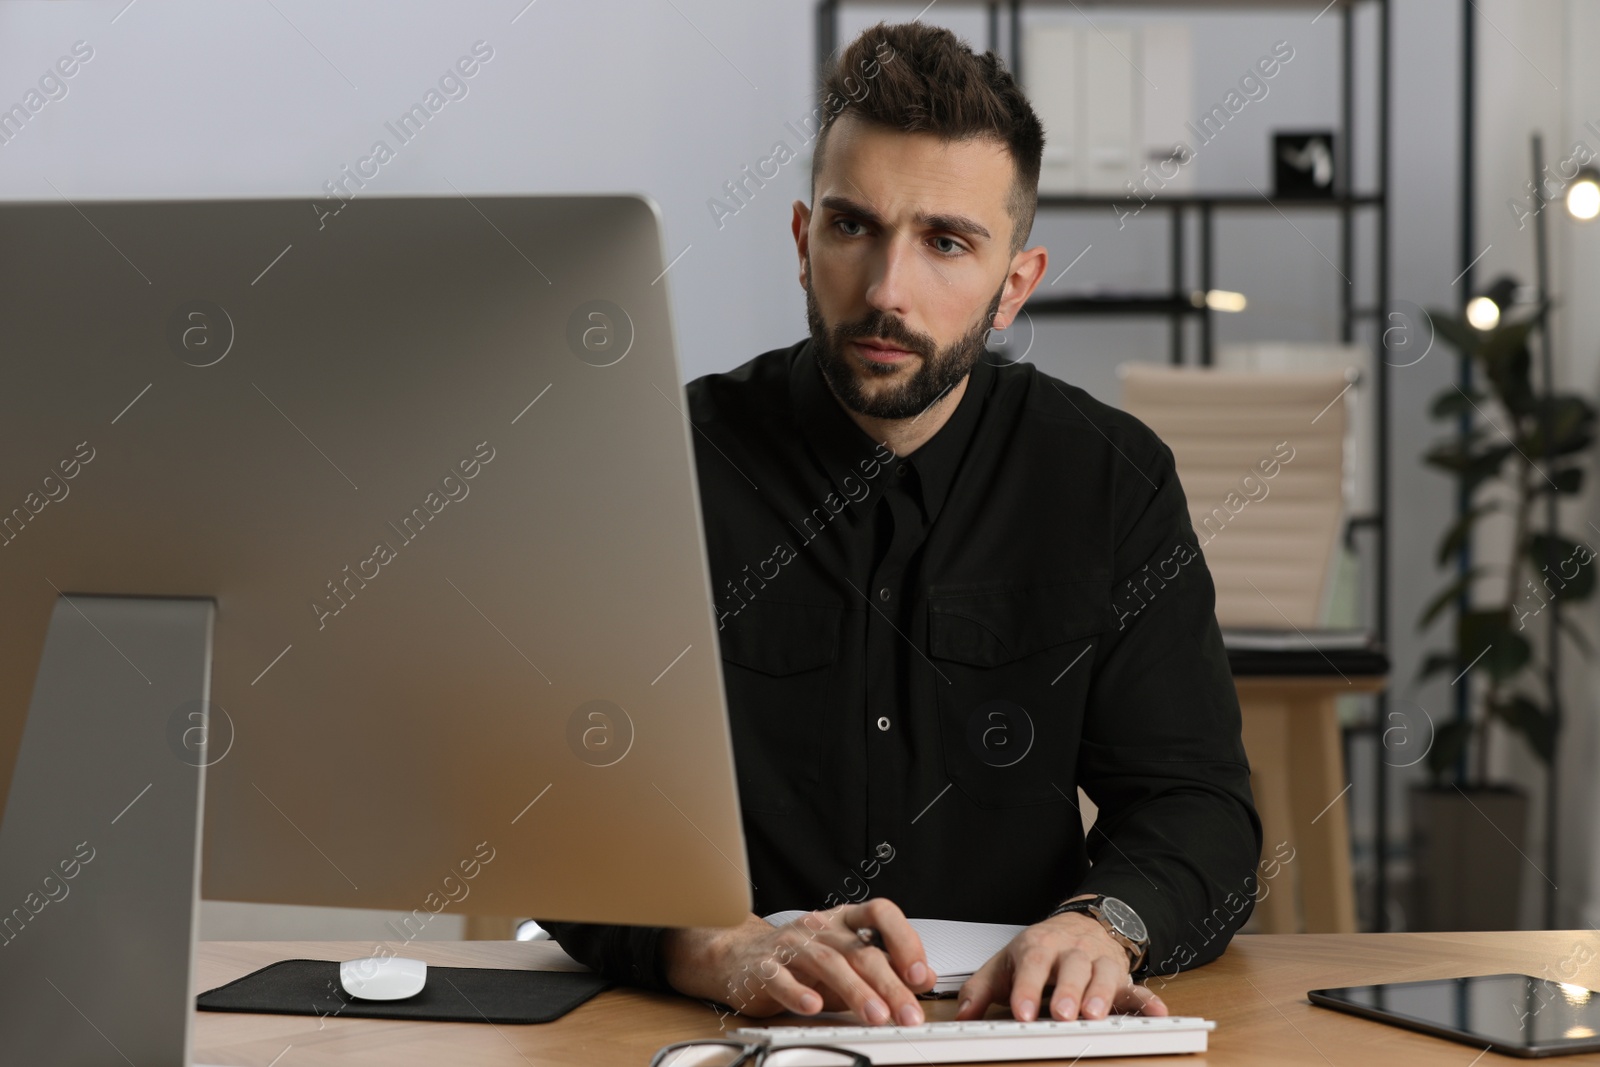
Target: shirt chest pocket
[
  {"x": 1012, "y": 668},
  {"x": 778, "y": 663}
]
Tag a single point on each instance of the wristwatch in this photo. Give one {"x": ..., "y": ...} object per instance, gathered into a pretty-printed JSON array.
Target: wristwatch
[{"x": 1120, "y": 921}]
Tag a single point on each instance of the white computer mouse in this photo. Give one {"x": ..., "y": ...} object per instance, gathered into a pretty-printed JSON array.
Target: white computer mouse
[{"x": 383, "y": 977}]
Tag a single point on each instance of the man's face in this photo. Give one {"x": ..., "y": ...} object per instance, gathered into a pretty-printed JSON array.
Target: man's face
[{"x": 905, "y": 262}]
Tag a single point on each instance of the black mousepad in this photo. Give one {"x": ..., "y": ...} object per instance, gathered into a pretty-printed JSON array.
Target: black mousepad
[{"x": 450, "y": 994}]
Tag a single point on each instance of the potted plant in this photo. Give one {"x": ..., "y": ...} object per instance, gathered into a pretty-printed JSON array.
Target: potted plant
[{"x": 1528, "y": 449}]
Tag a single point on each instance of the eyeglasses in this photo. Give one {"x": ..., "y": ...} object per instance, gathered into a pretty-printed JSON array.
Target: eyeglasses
[{"x": 713, "y": 1053}]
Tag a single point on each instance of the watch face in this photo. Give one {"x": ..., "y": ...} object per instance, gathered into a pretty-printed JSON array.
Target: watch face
[{"x": 1124, "y": 919}]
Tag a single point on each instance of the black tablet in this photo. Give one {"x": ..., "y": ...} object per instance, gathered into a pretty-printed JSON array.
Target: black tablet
[{"x": 1514, "y": 1014}]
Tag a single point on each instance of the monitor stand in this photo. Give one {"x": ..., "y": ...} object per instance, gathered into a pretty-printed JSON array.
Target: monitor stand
[{"x": 100, "y": 844}]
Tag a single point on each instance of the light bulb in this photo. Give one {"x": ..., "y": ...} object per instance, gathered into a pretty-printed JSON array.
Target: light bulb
[
  {"x": 1225, "y": 300},
  {"x": 1583, "y": 197},
  {"x": 1483, "y": 313}
]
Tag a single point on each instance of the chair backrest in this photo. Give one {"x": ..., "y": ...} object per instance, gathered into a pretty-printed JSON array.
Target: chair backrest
[{"x": 1260, "y": 455}]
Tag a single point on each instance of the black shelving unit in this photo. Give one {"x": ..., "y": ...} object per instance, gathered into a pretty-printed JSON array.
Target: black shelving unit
[{"x": 1177, "y": 302}]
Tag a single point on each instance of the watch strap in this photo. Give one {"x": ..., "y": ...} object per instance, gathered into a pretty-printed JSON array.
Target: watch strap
[{"x": 1082, "y": 905}]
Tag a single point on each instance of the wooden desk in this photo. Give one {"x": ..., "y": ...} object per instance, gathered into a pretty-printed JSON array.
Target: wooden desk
[
  {"x": 1297, "y": 773},
  {"x": 1256, "y": 994}
]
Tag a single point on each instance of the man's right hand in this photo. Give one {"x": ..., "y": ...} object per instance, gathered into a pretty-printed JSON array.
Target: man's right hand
[{"x": 814, "y": 963}]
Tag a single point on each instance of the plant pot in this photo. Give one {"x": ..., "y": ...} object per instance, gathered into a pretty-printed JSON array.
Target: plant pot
[{"x": 1467, "y": 850}]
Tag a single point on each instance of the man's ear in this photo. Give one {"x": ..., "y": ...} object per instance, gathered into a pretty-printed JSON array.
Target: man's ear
[
  {"x": 1027, "y": 268},
  {"x": 801, "y": 225}
]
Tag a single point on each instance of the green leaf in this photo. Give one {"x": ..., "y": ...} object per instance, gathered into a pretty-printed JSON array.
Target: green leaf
[
  {"x": 1458, "y": 454},
  {"x": 1453, "y": 402},
  {"x": 1571, "y": 426},
  {"x": 1447, "y": 596},
  {"x": 1449, "y": 741},
  {"x": 1507, "y": 337},
  {"x": 1571, "y": 575},
  {"x": 1509, "y": 369},
  {"x": 1567, "y": 480},
  {"x": 1488, "y": 466},
  {"x": 1536, "y": 726},
  {"x": 1456, "y": 535},
  {"x": 1449, "y": 456},
  {"x": 1487, "y": 641},
  {"x": 1457, "y": 331}
]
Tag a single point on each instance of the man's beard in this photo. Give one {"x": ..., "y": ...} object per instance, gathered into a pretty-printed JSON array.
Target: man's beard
[{"x": 938, "y": 371}]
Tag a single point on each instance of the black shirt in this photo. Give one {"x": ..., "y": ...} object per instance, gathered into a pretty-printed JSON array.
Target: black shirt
[{"x": 926, "y": 656}]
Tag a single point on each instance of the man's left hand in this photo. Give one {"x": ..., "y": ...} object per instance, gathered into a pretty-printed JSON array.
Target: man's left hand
[{"x": 1074, "y": 953}]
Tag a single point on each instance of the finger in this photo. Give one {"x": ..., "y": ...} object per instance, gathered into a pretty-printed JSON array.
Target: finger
[
  {"x": 1138, "y": 1000},
  {"x": 821, "y": 927},
  {"x": 900, "y": 939},
  {"x": 1032, "y": 966},
  {"x": 874, "y": 967},
  {"x": 1072, "y": 977},
  {"x": 987, "y": 984},
  {"x": 823, "y": 963},
  {"x": 1109, "y": 974},
  {"x": 793, "y": 994}
]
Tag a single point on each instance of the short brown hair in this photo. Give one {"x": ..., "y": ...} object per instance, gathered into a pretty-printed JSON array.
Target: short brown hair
[{"x": 913, "y": 77}]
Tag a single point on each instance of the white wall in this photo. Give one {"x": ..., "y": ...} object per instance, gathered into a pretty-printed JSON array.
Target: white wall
[
  {"x": 195, "y": 98},
  {"x": 1577, "y": 269}
]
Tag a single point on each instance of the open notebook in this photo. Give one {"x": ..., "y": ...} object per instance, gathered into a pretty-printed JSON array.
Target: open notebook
[{"x": 955, "y": 949}]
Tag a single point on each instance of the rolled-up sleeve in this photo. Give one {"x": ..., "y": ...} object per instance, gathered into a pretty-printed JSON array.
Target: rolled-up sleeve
[{"x": 1177, "y": 836}]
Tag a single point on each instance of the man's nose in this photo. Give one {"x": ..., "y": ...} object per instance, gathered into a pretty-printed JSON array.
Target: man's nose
[{"x": 896, "y": 265}]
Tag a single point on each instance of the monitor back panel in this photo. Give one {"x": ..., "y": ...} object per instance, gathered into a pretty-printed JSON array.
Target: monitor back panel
[{"x": 430, "y": 457}]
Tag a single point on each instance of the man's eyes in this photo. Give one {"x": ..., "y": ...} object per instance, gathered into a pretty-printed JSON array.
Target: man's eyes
[{"x": 952, "y": 247}]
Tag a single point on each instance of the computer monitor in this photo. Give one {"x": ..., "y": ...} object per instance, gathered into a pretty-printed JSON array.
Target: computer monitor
[{"x": 429, "y": 460}]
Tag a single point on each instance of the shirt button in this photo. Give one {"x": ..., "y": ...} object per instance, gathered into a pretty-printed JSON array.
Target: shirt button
[
  {"x": 900, "y": 469},
  {"x": 883, "y": 594},
  {"x": 884, "y": 850},
  {"x": 883, "y": 722}
]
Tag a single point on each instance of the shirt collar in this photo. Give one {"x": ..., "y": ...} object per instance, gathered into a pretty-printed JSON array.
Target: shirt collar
[{"x": 846, "y": 450}]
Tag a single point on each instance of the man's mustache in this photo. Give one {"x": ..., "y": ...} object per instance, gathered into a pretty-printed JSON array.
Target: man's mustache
[{"x": 890, "y": 334}]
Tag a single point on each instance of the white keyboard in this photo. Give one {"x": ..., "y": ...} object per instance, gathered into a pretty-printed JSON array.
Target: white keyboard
[{"x": 999, "y": 1040}]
